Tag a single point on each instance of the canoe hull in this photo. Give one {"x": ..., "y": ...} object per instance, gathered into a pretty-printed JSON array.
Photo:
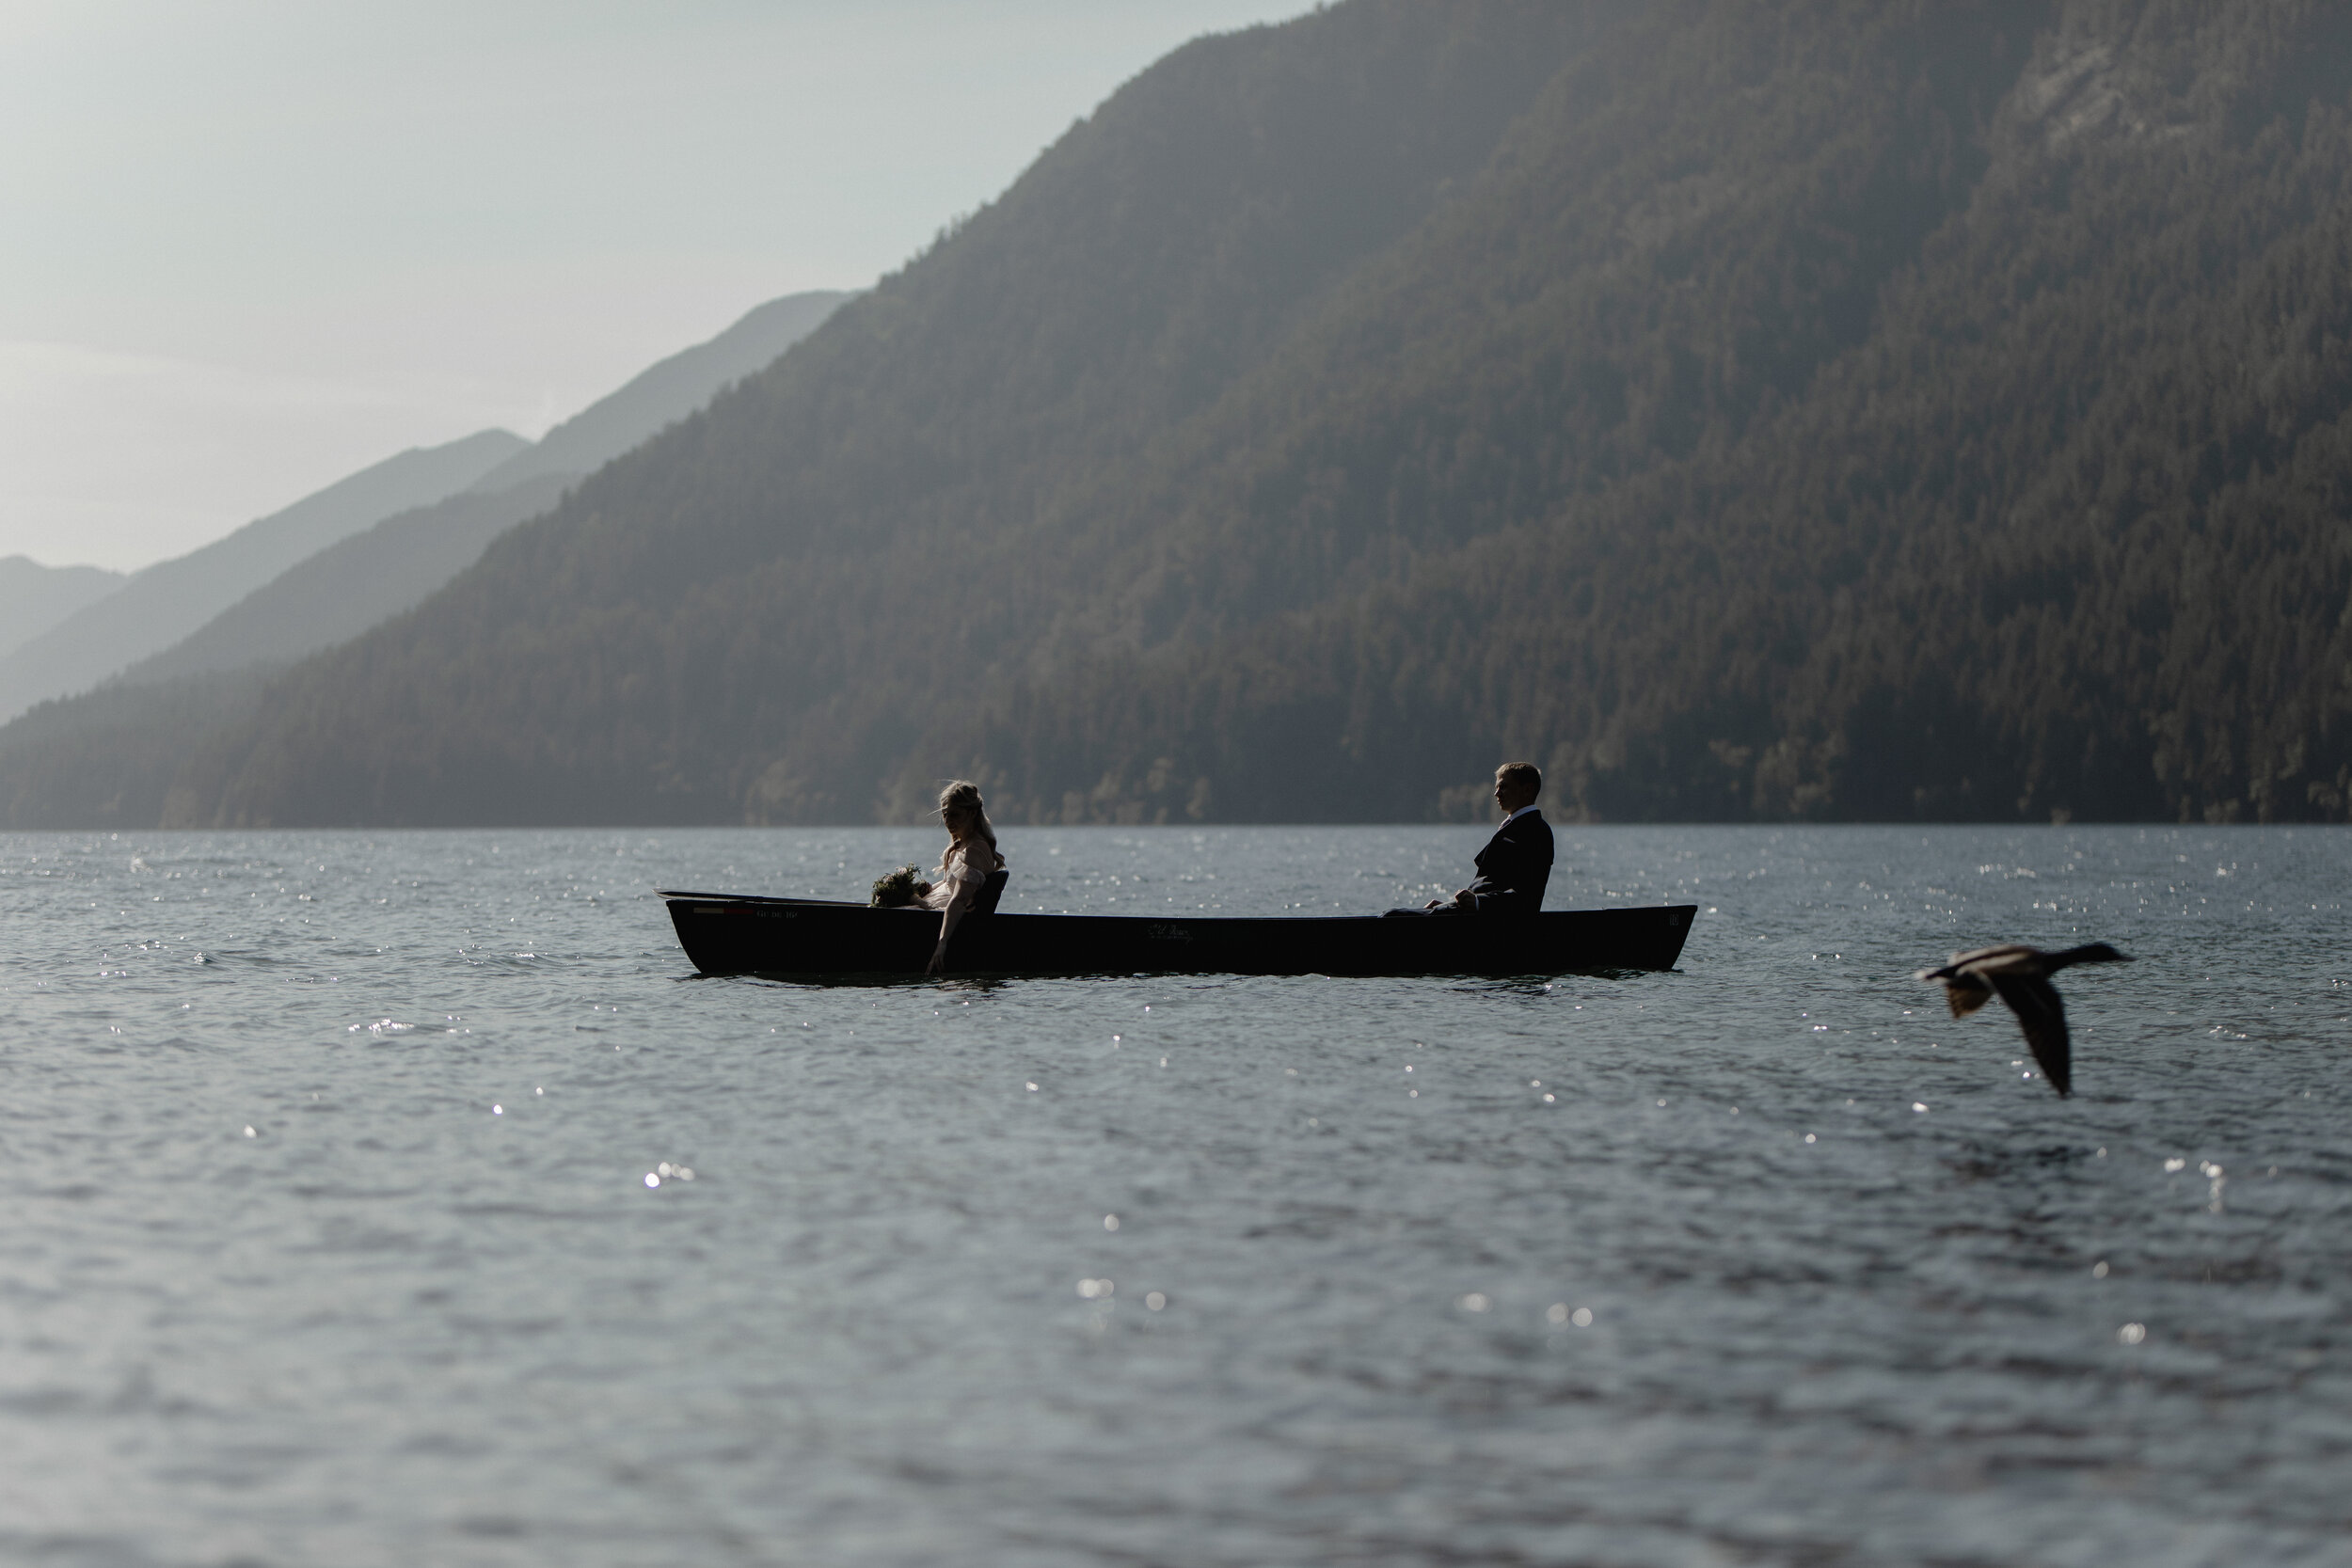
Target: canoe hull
[{"x": 736, "y": 935}]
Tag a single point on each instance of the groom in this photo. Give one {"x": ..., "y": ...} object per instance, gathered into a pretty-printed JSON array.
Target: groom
[{"x": 1517, "y": 862}]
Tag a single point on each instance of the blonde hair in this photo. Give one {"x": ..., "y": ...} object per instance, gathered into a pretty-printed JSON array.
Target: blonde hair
[{"x": 965, "y": 794}]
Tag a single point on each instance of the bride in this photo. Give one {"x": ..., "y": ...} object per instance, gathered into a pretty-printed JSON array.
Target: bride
[{"x": 964, "y": 866}]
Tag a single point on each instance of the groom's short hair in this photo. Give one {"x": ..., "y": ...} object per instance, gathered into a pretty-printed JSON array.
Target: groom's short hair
[{"x": 1525, "y": 774}]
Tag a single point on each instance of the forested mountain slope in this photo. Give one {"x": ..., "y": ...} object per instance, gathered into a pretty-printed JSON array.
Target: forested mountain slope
[
  {"x": 2050, "y": 517},
  {"x": 1831, "y": 410}
]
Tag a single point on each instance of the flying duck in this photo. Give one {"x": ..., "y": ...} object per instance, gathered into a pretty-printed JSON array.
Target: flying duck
[{"x": 2020, "y": 975}]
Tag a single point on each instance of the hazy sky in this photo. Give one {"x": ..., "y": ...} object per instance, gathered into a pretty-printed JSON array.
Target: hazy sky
[{"x": 247, "y": 249}]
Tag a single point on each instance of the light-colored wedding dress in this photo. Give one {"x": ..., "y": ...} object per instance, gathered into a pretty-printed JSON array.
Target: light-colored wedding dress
[{"x": 968, "y": 861}]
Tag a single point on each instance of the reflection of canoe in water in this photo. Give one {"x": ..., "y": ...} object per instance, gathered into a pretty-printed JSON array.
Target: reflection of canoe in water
[{"x": 724, "y": 934}]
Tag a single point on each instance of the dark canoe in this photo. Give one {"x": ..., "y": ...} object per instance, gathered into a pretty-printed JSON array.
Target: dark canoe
[{"x": 729, "y": 934}]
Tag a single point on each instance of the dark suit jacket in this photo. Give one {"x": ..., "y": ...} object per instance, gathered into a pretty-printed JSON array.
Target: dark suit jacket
[{"x": 1513, "y": 867}]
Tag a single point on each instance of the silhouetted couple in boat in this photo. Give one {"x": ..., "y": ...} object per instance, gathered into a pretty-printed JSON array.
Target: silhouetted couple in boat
[
  {"x": 1512, "y": 868},
  {"x": 1516, "y": 863}
]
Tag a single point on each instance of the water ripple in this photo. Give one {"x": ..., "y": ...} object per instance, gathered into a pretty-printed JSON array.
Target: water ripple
[{"x": 533, "y": 1253}]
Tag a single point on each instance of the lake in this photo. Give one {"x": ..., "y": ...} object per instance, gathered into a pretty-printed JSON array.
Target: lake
[{"x": 350, "y": 1217}]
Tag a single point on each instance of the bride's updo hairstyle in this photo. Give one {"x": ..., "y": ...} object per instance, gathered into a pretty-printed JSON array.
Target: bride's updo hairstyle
[{"x": 964, "y": 795}]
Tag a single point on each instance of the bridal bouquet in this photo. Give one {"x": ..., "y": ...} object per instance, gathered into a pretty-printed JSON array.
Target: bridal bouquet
[{"x": 896, "y": 889}]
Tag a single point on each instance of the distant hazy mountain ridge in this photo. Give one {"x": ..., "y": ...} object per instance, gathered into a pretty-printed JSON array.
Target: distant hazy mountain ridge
[
  {"x": 667, "y": 391},
  {"x": 166, "y": 602},
  {"x": 34, "y": 597},
  {"x": 345, "y": 589},
  {"x": 352, "y": 585},
  {"x": 109, "y": 757}
]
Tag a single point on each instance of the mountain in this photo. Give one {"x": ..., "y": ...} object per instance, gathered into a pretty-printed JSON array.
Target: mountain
[
  {"x": 164, "y": 602},
  {"x": 826, "y": 514},
  {"x": 1843, "y": 410},
  {"x": 349, "y": 586},
  {"x": 34, "y": 597},
  {"x": 668, "y": 390},
  {"x": 112, "y": 757},
  {"x": 345, "y": 589}
]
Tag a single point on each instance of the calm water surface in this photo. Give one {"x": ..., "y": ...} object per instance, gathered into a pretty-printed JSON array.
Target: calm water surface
[{"x": 331, "y": 1231}]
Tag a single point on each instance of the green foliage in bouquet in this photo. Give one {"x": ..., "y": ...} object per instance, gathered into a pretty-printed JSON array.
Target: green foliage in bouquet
[{"x": 896, "y": 889}]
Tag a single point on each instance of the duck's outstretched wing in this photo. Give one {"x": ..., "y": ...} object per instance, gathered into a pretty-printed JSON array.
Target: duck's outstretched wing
[
  {"x": 1966, "y": 987},
  {"x": 2042, "y": 1016},
  {"x": 1965, "y": 994}
]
